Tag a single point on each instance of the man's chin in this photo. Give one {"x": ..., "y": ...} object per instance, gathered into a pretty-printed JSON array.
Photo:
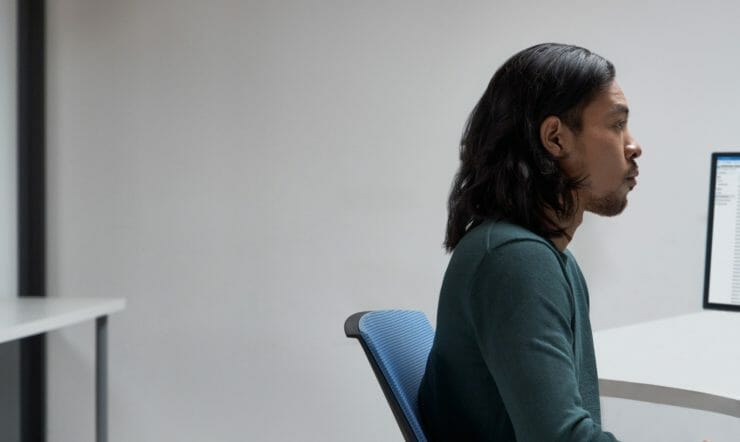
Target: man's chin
[{"x": 610, "y": 205}]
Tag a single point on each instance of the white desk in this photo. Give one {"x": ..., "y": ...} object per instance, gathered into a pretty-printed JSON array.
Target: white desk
[
  {"x": 690, "y": 361},
  {"x": 24, "y": 317}
]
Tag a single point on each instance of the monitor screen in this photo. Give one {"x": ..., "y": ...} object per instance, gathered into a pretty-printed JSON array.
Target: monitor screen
[{"x": 722, "y": 269}]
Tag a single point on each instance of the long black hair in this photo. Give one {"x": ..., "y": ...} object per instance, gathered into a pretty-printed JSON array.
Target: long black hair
[{"x": 505, "y": 171}]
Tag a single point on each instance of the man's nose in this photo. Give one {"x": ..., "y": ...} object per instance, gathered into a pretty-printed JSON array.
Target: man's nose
[{"x": 632, "y": 149}]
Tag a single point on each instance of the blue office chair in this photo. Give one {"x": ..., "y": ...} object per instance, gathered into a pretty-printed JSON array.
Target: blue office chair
[{"x": 397, "y": 344}]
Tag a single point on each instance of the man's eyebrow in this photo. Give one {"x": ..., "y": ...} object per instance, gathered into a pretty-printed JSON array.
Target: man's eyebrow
[{"x": 619, "y": 109}]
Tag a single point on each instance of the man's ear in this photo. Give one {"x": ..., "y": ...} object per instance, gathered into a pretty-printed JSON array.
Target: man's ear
[{"x": 555, "y": 136}]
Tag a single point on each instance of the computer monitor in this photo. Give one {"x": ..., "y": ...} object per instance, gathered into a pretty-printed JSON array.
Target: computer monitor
[{"x": 722, "y": 267}]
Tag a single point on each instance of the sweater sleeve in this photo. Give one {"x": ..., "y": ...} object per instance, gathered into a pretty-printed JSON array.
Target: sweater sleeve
[{"x": 522, "y": 311}]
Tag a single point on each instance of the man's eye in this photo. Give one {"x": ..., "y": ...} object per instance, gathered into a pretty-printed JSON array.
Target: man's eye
[{"x": 621, "y": 124}]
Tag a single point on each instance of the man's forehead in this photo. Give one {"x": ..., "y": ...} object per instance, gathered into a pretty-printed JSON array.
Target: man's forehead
[
  {"x": 616, "y": 95},
  {"x": 611, "y": 101}
]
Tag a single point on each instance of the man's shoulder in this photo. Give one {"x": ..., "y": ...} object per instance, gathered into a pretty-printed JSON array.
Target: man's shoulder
[
  {"x": 507, "y": 247},
  {"x": 493, "y": 235}
]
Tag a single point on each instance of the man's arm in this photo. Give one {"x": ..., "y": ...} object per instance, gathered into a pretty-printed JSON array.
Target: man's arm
[{"x": 522, "y": 309}]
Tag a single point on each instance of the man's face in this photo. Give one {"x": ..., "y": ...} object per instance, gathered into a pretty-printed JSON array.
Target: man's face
[{"x": 604, "y": 152}]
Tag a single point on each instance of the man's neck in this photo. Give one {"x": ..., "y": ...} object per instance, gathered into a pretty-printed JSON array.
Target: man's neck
[{"x": 569, "y": 226}]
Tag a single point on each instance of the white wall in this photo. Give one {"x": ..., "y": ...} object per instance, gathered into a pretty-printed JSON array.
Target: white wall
[{"x": 247, "y": 174}]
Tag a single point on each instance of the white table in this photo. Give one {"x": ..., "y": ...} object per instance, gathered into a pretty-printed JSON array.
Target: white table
[
  {"x": 24, "y": 317},
  {"x": 690, "y": 361}
]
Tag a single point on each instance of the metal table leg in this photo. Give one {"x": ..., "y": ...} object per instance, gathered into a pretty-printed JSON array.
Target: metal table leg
[{"x": 101, "y": 379}]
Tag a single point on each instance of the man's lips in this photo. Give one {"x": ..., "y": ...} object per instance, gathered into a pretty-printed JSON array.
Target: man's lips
[{"x": 631, "y": 178}]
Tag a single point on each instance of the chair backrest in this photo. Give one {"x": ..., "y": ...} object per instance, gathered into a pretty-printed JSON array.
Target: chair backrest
[{"x": 397, "y": 344}]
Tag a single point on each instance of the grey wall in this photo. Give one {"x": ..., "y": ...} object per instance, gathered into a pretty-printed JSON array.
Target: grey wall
[
  {"x": 247, "y": 174},
  {"x": 8, "y": 187},
  {"x": 9, "y": 352}
]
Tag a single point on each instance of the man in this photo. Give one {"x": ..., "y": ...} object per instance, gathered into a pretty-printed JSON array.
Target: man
[{"x": 513, "y": 355}]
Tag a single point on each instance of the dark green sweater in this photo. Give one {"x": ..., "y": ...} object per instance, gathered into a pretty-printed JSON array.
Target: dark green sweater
[{"x": 513, "y": 356}]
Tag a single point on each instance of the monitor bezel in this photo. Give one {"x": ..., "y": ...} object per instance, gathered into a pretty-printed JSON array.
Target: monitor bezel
[{"x": 710, "y": 226}]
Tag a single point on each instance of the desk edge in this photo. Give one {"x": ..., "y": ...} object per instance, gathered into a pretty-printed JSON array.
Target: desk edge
[
  {"x": 678, "y": 397},
  {"x": 32, "y": 328}
]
